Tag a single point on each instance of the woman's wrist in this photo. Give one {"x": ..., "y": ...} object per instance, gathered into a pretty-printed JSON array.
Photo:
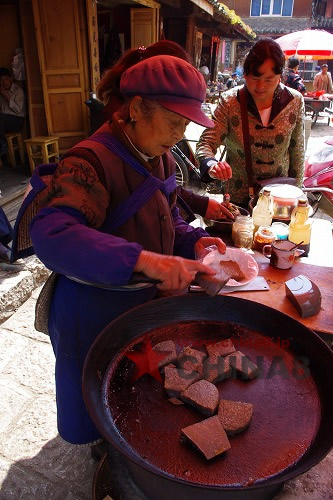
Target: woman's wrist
[{"x": 145, "y": 260}]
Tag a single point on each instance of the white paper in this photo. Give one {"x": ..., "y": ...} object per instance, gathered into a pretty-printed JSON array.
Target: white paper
[{"x": 246, "y": 262}]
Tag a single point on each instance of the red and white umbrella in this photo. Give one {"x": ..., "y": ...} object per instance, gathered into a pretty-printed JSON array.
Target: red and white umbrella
[{"x": 309, "y": 44}]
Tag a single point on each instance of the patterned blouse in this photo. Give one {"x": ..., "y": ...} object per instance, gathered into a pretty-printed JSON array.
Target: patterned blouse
[{"x": 277, "y": 149}]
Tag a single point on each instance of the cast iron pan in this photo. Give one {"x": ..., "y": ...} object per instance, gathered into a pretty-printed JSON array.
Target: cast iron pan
[{"x": 291, "y": 428}]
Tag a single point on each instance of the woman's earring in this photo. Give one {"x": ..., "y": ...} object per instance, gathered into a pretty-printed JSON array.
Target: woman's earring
[{"x": 132, "y": 120}]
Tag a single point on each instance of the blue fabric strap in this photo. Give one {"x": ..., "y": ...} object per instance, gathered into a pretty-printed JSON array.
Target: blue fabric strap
[
  {"x": 131, "y": 205},
  {"x": 169, "y": 185},
  {"x": 111, "y": 143},
  {"x": 141, "y": 195}
]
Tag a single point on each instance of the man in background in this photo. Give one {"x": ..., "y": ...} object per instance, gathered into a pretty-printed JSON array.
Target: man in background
[
  {"x": 291, "y": 78},
  {"x": 323, "y": 80},
  {"x": 233, "y": 81},
  {"x": 12, "y": 107}
]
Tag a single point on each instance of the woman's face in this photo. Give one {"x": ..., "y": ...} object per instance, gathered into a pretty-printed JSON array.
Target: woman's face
[
  {"x": 155, "y": 136},
  {"x": 262, "y": 87}
]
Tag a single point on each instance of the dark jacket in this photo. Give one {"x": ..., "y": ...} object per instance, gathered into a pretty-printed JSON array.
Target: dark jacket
[{"x": 294, "y": 80}]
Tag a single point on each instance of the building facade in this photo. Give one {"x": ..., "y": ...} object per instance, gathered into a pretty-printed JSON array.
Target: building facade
[{"x": 67, "y": 44}]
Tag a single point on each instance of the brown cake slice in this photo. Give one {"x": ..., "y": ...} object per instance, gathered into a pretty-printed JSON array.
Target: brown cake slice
[
  {"x": 222, "y": 348},
  {"x": 234, "y": 416},
  {"x": 203, "y": 395},
  {"x": 215, "y": 369},
  {"x": 168, "y": 347},
  {"x": 243, "y": 365},
  {"x": 231, "y": 268},
  {"x": 208, "y": 436},
  {"x": 191, "y": 359},
  {"x": 176, "y": 380}
]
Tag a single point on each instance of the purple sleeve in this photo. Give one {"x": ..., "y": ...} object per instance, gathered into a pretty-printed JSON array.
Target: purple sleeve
[
  {"x": 197, "y": 203},
  {"x": 66, "y": 245},
  {"x": 185, "y": 236}
]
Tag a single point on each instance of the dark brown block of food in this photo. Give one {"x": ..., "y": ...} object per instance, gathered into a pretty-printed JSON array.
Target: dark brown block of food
[
  {"x": 191, "y": 359},
  {"x": 222, "y": 348},
  {"x": 234, "y": 416},
  {"x": 203, "y": 395},
  {"x": 168, "y": 347},
  {"x": 231, "y": 268},
  {"x": 208, "y": 436},
  {"x": 177, "y": 380},
  {"x": 243, "y": 365},
  {"x": 215, "y": 369},
  {"x": 175, "y": 401}
]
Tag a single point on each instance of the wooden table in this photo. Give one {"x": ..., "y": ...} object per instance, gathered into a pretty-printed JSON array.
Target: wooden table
[
  {"x": 315, "y": 106},
  {"x": 318, "y": 267}
]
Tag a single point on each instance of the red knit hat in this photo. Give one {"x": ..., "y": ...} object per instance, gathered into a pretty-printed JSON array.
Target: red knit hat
[{"x": 174, "y": 83}]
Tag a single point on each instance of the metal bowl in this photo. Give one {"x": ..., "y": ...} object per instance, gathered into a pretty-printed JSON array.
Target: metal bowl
[{"x": 224, "y": 225}]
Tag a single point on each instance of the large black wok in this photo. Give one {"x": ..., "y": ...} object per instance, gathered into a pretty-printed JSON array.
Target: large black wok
[{"x": 299, "y": 411}]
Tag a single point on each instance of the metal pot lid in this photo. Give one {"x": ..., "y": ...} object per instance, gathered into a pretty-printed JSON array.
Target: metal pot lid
[{"x": 285, "y": 191}]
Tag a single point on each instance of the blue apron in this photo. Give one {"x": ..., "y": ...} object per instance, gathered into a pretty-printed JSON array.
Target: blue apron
[{"x": 79, "y": 312}]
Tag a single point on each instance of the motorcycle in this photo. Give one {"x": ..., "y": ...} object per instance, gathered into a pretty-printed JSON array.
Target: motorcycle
[{"x": 318, "y": 174}]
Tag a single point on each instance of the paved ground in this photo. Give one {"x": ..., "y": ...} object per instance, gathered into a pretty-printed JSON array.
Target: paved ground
[{"x": 34, "y": 462}]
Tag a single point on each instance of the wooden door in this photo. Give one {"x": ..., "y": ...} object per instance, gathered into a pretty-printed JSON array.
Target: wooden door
[
  {"x": 34, "y": 88},
  {"x": 92, "y": 22},
  {"x": 144, "y": 26},
  {"x": 10, "y": 38},
  {"x": 62, "y": 49}
]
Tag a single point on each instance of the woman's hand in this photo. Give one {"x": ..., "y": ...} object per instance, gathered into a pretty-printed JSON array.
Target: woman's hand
[
  {"x": 175, "y": 273},
  {"x": 216, "y": 211},
  {"x": 221, "y": 170},
  {"x": 208, "y": 241}
]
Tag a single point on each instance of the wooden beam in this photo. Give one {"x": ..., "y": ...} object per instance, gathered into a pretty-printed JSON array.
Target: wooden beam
[
  {"x": 204, "y": 5},
  {"x": 148, "y": 3},
  {"x": 185, "y": 11},
  {"x": 172, "y": 3}
]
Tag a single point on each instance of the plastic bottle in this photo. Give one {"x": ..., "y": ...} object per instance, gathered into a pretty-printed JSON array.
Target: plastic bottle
[
  {"x": 300, "y": 225},
  {"x": 263, "y": 212}
]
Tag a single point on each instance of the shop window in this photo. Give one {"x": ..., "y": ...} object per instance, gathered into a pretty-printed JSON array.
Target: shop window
[
  {"x": 272, "y": 7},
  {"x": 307, "y": 70}
]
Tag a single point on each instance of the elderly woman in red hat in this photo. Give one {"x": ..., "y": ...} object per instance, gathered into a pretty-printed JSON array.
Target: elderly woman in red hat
[{"x": 109, "y": 212}]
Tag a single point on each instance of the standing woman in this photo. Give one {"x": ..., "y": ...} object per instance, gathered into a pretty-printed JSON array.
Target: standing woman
[
  {"x": 79, "y": 234},
  {"x": 276, "y": 126}
]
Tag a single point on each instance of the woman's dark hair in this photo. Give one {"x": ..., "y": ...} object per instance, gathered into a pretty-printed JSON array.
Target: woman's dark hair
[
  {"x": 293, "y": 62},
  {"x": 110, "y": 82},
  {"x": 5, "y": 72},
  {"x": 264, "y": 49}
]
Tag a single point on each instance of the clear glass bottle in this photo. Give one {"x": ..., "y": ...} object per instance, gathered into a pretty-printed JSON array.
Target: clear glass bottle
[
  {"x": 300, "y": 225},
  {"x": 263, "y": 212},
  {"x": 242, "y": 222}
]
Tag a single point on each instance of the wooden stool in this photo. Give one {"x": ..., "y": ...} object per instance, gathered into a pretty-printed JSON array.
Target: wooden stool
[
  {"x": 42, "y": 149},
  {"x": 14, "y": 141}
]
